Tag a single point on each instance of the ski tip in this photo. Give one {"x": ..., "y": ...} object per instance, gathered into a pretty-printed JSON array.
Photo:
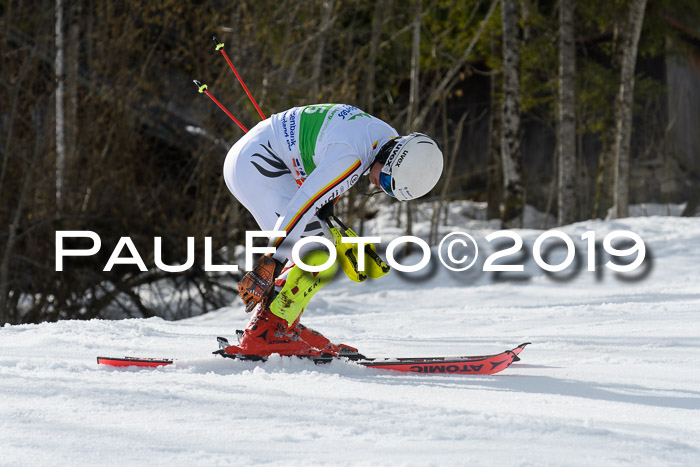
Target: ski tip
[
  {"x": 133, "y": 361},
  {"x": 519, "y": 349}
]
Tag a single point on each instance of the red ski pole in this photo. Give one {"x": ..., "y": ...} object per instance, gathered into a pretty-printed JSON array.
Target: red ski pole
[
  {"x": 220, "y": 47},
  {"x": 203, "y": 88}
]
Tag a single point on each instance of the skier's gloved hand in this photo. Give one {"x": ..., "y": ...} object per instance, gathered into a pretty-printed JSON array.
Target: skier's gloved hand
[
  {"x": 256, "y": 285},
  {"x": 326, "y": 211}
]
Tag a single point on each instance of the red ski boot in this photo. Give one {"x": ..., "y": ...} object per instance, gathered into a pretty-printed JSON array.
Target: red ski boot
[
  {"x": 315, "y": 339},
  {"x": 277, "y": 329},
  {"x": 267, "y": 334},
  {"x": 321, "y": 342}
]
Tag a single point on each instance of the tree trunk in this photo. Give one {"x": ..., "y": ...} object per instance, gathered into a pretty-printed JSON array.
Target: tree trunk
[
  {"x": 602, "y": 199},
  {"x": 494, "y": 184},
  {"x": 437, "y": 206},
  {"x": 72, "y": 51},
  {"x": 60, "y": 115},
  {"x": 326, "y": 23},
  {"x": 566, "y": 137},
  {"x": 413, "y": 98},
  {"x": 625, "y": 98},
  {"x": 415, "y": 67},
  {"x": 368, "y": 93},
  {"x": 514, "y": 196},
  {"x": 377, "y": 26}
]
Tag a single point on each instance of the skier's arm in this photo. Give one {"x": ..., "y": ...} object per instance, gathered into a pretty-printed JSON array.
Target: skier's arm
[{"x": 335, "y": 175}]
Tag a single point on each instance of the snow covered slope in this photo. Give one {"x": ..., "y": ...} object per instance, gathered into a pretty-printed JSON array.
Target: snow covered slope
[{"x": 612, "y": 376}]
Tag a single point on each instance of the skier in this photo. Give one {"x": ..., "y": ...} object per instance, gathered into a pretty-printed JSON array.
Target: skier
[{"x": 287, "y": 171}]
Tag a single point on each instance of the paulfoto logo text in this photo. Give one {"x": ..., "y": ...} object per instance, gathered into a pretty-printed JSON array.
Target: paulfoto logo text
[{"x": 457, "y": 251}]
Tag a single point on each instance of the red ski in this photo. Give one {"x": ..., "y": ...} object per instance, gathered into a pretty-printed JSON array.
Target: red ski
[
  {"x": 466, "y": 365},
  {"x": 484, "y": 365},
  {"x": 133, "y": 361}
]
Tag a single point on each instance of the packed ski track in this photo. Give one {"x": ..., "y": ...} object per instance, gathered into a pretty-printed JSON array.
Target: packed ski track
[{"x": 611, "y": 377}]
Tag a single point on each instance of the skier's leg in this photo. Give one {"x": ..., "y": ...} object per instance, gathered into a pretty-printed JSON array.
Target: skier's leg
[
  {"x": 296, "y": 291},
  {"x": 277, "y": 329},
  {"x": 264, "y": 187},
  {"x": 310, "y": 336},
  {"x": 301, "y": 285}
]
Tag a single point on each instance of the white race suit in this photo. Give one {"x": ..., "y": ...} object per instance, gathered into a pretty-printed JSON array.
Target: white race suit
[{"x": 288, "y": 166}]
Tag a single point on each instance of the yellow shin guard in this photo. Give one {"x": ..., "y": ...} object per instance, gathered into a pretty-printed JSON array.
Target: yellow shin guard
[{"x": 301, "y": 286}]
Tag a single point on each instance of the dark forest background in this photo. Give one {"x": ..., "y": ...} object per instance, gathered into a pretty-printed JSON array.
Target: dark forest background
[{"x": 576, "y": 108}]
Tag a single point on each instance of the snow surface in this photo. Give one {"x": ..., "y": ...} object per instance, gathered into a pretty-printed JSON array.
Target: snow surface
[{"x": 611, "y": 377}]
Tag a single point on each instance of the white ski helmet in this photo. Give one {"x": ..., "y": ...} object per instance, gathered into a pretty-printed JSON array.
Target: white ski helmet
[{"x": 412, "y": 166}]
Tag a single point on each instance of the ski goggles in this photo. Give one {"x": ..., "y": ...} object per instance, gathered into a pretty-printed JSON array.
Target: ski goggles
[
  {"x": 385, "y": 183},
  {"x": 384, "y": 175}
]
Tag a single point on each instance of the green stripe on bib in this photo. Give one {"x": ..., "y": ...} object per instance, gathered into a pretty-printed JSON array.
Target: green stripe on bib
[{"x": 310, "y": 122}]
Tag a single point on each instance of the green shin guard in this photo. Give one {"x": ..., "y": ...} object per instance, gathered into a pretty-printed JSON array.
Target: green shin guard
[{"x": 301, "y": 286}]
